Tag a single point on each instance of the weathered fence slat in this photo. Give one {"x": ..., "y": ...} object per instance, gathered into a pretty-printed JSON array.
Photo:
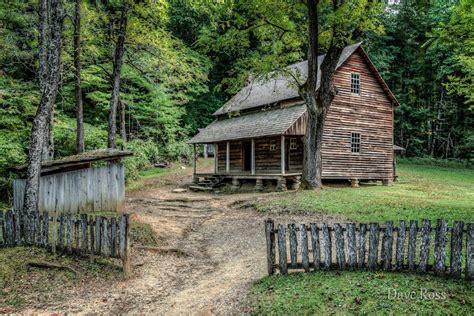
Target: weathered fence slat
[
  {"x": 362, "y": 242},
  {"x": 69, "y": 232},
  {"x": 113, "y": 237},
  {"x": 425, "y": 244},
  {"x": 84, "y": 239},
  {"x": 126, "y": 259},
  {"x": 92, "y": 236},
  {"x": 340, "y": 256},
  {"x": 315, "y": 246},
  {"x": 282, "y": 249},
  {"x": 456, "y": 249},
  {"x": 327, "y": 246},
  {"x": 351, "y": 246},
  {"x": 45, "y": 231},
  {"x": 293, "y": 244},
  {"x": 270, "y": 237},
  {"x": 61, "y": 232},
  {"x": 470, "y": 252},
  {"x": 105, "y": 238},
  {"x": 373, "y": 246},
  {"x": 440, "y": 246},
  {"x": 400, "y": 247},
  {"x": 304, "y": 247},
  {"x": 98, "y": 230},
  {"x": 412, "y": 245},
  {"x": 388, "y": 246}
]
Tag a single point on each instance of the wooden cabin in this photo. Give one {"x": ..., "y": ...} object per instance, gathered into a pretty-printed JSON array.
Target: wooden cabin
[
  {"x": 93, "y": 181},
  {"x": 259, "y": 133}
]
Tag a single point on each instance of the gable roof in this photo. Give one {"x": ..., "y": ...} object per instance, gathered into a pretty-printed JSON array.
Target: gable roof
[
  {"x": 279, "y": 88},
  {"x": 259, "y": 124}
]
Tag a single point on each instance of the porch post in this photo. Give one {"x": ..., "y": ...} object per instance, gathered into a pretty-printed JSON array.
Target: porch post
[
  {"x": 194, "y": 162},
  {"x": 283, "y": 152},
  {"x": 216, "y": 161},
  {"x": 253, "y": 156},
  {"x": 227, "y": 158}
]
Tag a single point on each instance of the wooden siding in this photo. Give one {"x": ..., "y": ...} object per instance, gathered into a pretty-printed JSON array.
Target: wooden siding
[
  {"x": 87, "y": 190},
  {"x": 370, "y": 114}
]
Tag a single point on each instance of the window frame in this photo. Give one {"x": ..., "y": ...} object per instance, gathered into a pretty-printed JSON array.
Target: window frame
[
  {"x": 272, "y": 146},
  {"x": 355, "y": 83},
  {"x": 293, "y": 143},
  {"x": 356, "y": 143}
]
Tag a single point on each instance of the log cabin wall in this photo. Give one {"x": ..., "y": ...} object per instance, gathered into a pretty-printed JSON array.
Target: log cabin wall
[{"x": 370, "y": 114}]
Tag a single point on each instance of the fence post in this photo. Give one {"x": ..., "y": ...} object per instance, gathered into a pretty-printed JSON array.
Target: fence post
[
  {"x": 470, "y": 252},
  {"x": 304, "y": 247},
  {"x": 362, "y": 239},
  {"x": 351, "y": 246},
  {"x": 270, "y": 236},
  {"x": 387, "y": 246},
  {"x": 412, "y": 245},
  {"x": 373, "y": 246},
  {"x": 456, "y": 249},
  {"x": 293, "y": 244},
  {"x": 45, "y": 232},
  {"x": 425, "y": 244},
  {"x": 440, "y": 246},
  {"x": 282, "y": 249},
  {"x": 400, "y": 245},
  {"x": 315, "y": 246},
  {"x": 125, "y": 243},
  {"x": 327, "y": 247},
  {"x": 340, "y": 256}
]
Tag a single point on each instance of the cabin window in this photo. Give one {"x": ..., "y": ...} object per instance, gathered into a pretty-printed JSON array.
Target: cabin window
[
  {"x": 355, "y": 83},
  {"x": 293, "y": 144},
  {"x": 273, "y": 145},
  {"x": 355, "y": 143}
]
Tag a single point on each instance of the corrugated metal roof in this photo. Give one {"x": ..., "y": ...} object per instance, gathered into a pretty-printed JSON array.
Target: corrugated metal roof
[
  {"x": 280, "y": 87},
  {"x": 264, "y": 123}
]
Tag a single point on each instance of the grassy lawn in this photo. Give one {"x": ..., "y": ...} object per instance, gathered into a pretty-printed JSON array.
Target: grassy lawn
[
  {"x": 422, "y": 191},
  {"x": 361, "y": 293}
]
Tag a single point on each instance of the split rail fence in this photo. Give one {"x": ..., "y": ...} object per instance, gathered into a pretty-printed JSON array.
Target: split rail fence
[
  {"x": 73, "y": 234},
  {"x": 407, "y": 247}
]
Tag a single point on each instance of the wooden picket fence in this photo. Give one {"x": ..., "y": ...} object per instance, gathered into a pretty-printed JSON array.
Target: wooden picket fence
[
  {"x": 372, "y": 247},
  {"x": 72, "y": 234}
]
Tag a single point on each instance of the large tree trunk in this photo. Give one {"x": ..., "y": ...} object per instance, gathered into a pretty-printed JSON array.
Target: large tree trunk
[
  {"x": 38, "y": 131},
  {"x": 318, "y": 100},
  {"x": 117, "y": 67},
  {"x": 78, "y": 91},
  {"x": 123, "y": 131}
]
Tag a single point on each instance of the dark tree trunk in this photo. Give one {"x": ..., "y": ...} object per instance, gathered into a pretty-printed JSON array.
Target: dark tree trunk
[
  {"x": 123, "y": 131},
  {"x": 318, "y": 100},
  {"x": 38, "y": 131},
  {"x": 117, "y": 67},
  {"x": 78, "y": 91}
]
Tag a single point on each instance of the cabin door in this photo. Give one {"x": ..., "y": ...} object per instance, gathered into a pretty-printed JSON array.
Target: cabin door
[{"x": 247, "y": 156}]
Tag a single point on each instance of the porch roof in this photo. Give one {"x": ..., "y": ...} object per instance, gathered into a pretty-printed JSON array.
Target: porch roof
[{"x": 259, "y": 124}]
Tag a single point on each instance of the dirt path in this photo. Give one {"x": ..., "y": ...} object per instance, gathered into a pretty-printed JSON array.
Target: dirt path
[{"x": 217, "y": 248}]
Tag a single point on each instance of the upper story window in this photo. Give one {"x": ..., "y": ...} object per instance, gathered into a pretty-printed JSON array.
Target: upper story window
[
  {"x": 293, "y": 144},
  {"x": 273, "y": 145},
  {"x": 355, "y": 83},
  {"x": 355, "y": 143}
]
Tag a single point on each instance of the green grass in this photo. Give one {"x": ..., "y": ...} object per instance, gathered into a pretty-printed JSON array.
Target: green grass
[
  {"x": 422, "y": 191},
  {"x": 360, "y": 293}
]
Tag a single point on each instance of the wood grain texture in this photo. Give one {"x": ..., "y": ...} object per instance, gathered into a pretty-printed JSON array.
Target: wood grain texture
[
  {"x": 293, "y": 244},
  {"x": 327, "y": 246},
  {"x": 373, "y": 246},
  {"x": 315, "y": 246},
  {"x": 388, "y": 246},
  {"x": 412, "y": 244},
  {"x": 400, "y": 247},
  {"x": 340, "y": 255},
  {"x": 425, "y": 244},
  {"x": 282, "y": 249},
  {"x": 362, "y": 246},
  {"x": 470, "y": 252},
  {"x": 270, "y": 238},
  {"x": 304, "y": 247},
  {"x": 456, "y": 248},
  {"x": 441, "y": 239}
]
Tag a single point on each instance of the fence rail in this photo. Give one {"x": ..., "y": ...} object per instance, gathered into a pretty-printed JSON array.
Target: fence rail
[
  {"x": 408, "y": 247},
  {"x": 78, "y": 234}
]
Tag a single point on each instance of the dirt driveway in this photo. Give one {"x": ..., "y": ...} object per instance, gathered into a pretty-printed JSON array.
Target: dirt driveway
[{"x": 215, "y": 250}]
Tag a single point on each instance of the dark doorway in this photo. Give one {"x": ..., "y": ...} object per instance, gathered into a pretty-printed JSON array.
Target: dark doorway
[{"x": 247, "y": 155}]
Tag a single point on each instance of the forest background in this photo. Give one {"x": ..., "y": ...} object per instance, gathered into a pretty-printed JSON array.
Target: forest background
[{"x": 184, "y": 58}]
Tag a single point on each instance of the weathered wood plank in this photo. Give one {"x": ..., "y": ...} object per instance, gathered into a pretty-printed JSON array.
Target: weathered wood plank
[
  {"x": 388, "y": 246},
  {"x": 351, "y": 246},
  {"x": 425, "y": 244},
  {"x": 92, "y": 236},
  {"x": 84, "y": 233},
  {"x": 270, "y": 237},
  {"x": 327, "y": 246},
  {"x": 282, "y": 257},
  {"x": 456, "y": 248},
  {"x": 304, "y": 247},
  {"x": 362, "y": 246},
  {"x": 105, "y": 238},
  {"x": 400, "y": 255},
  {"x": 315, "y": 246},
  {"x": 76, "y": 232},
  {"x": 98, "y": 233},
  {"x": 113, "y": 237},
  {"x": 412, "y": 245},
  {"x": 470, "y": 252},
  {"x": 340, "y": 255},
  {"x": 69, "y": 221},
  {"x": 373, "y": 246},
  {"x": 293, "y": 245},
  {"x": 45, "y": 231},
  {"x": 61, "y": 232},
  {"x": 441, "y": 239},
  {"x": 127, "y": 267}
]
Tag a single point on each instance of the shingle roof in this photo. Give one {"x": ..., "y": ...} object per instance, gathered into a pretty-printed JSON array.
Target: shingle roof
[
  {"x": 264, "y": 123},
  {"x": 278, "y": 88}
]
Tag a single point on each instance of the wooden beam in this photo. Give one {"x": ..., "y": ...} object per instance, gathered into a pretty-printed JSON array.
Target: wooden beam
[
  {"x": 253, "y": 156},
  {"x": 216, "y": 161},
  {"x": 194, "y": 162},
  {"x": 283, "y": 152},
  {"x": 227, "y": 157}
]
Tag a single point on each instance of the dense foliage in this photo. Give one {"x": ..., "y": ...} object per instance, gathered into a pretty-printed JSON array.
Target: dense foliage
[{"x": 184, "y": 58}]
